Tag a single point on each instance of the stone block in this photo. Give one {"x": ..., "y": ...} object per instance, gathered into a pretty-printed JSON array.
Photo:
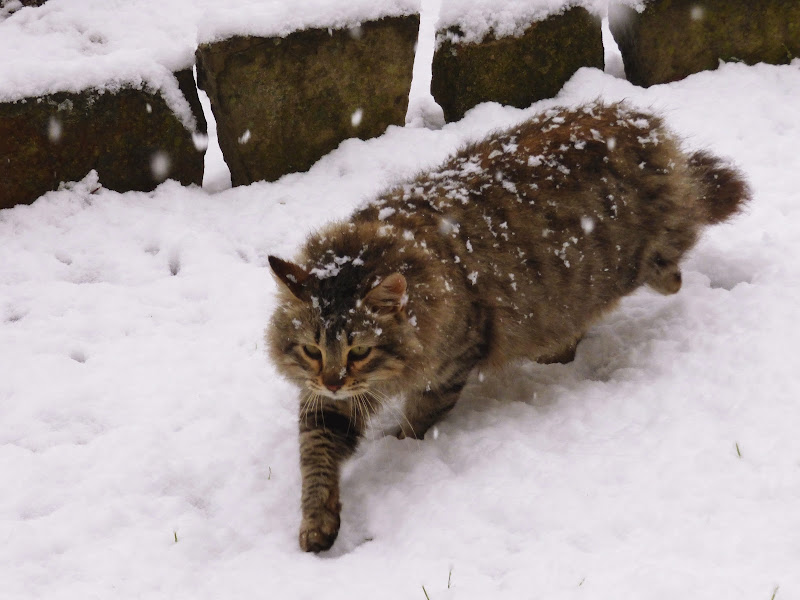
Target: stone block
[
  {"x": 9, "y": 7},
  {"x": 672, "y": 39},
  {"x": 130, "y": 137},
  {"x": 282, "y": 103},
  {"x": 515, "y": 71}
]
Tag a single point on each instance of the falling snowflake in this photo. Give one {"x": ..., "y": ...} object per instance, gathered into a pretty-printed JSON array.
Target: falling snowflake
[
  {"x": 160, "y": 165},
  {"x": 54, "y": 130},
  {"x": 200, "y": 141},
  {"x": 697, "y": 12}
]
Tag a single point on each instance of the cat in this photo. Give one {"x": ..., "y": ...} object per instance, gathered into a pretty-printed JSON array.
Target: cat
[{"x": 509, "y": 250}]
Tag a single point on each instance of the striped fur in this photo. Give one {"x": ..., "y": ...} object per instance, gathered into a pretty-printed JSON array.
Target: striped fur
[{"x": 510, "y": 250}]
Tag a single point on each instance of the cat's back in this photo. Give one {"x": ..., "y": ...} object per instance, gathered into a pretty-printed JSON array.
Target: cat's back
[
  {"x": 597, "y": 167},
  {"x": 577, "y": 192},
  {"x": 550, "y": 222}
]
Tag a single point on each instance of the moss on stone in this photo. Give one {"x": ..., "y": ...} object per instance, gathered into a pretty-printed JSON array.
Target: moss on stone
[
  {"x": 672, "y": 39},
  {"x": 516, "y": 71},
  {"x": 61, "y": 137},
  {"x": 283, "y": 103}
]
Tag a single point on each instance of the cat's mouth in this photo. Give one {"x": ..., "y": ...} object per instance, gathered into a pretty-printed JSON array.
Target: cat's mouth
[{"x": 339, "y": 394}]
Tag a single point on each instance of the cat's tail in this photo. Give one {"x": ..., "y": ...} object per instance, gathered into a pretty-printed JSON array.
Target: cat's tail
[{"x": 723, "y": 189}]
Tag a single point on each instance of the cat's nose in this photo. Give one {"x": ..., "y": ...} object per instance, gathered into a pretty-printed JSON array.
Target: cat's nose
[{"x": 334, "y": 387}]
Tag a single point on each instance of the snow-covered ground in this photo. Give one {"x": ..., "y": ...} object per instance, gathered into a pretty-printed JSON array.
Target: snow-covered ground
[{"x": 149, "y": 450}]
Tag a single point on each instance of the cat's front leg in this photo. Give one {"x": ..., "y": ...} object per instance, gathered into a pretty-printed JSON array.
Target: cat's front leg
[
  {"x": 425, "y": 409},
  {"x": 327, "y": 438}
]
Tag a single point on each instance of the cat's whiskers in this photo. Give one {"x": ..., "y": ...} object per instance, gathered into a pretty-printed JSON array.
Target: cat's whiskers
[
  {"x": 363, "y": 413},
  {"x": 305, "y": 402},
  {"x": 388, "y": 404},
  {"x": 354, "y": 415},
  {"x": 312, "y": 405}
]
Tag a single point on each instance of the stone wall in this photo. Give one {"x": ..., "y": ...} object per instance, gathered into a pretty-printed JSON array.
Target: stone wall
[{"x": 283, "y": 103}]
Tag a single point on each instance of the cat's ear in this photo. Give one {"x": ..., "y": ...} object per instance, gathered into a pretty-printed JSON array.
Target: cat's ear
[
  {"x": 291, "y": 275},
  {"x": 389, "y": 296}
]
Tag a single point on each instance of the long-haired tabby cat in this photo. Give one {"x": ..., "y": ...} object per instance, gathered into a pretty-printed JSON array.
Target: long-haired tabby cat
[{"x": 509, "y": 250}]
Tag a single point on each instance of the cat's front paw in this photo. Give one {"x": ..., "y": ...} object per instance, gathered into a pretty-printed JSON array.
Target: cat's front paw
[
  {"x": 402, "y": 433},
  {"x": 317, "y": 533},
  {"x": 415, "y": 431}
]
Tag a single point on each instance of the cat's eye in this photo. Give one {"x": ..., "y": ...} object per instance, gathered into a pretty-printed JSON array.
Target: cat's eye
[
  {"x": 358, "y": 352},
  {"x": 312, "y": 352}
]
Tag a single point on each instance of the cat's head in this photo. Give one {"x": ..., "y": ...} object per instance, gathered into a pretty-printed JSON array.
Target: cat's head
[{"x": 343, "y": 332}]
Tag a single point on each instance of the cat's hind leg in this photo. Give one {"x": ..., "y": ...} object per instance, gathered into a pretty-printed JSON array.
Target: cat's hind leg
[
  {"x": 664, "y": 276},
  {"x": 563, "y": 355}
]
